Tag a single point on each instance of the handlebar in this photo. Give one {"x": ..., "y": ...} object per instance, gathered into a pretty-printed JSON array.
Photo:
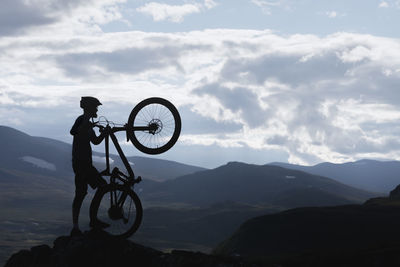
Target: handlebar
[{"x": 113, "y": 129}]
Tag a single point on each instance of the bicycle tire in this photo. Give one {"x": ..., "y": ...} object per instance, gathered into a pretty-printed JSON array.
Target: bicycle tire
[
  {"x": 158, "y": 111},
  {"x": 100, "y": 206}
]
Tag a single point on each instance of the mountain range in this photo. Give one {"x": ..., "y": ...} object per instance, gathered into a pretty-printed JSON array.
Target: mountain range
[
  {"x": 257, "y": 185},
  {"x": 185, "y": 206},
  {"x": 370, "y": 175},
  {"x": 28, "y": 162},
  {"x": 51, "y": 157}
]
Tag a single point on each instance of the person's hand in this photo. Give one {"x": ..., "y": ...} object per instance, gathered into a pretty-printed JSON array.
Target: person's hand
[{"x": 105, "y": 130}]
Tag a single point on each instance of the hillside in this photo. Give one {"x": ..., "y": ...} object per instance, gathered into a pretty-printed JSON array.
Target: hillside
[
  {"x": 199, "y": 229},
  {"x": 161, "y": 169},
  {"x": 37, "y": 155},
  {"x": 370, "y": 175},
  {"x": 318, "y": 235},
  {"x": 36, "y": 175},
  {"x": 36, "y": 172},
  {"x": 254, "y": 184},
  {"x": 49, "y": 157}
]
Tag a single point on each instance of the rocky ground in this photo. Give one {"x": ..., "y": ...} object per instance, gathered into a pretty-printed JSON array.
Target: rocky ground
[{"x": 102, "y": 250}]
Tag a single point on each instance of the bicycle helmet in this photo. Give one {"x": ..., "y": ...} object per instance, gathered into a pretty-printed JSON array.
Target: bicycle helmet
[{"x": 89, "y": 101}]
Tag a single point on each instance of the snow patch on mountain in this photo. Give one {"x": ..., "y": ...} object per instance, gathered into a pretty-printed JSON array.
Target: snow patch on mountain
[
  {"x": 101, "y": 159},
  {"x": 39, "y": 163}
]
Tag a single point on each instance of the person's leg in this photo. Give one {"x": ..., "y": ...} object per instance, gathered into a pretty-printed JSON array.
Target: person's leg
[
  {"x": 97, "y": 181},
  {"x": 80, "y": 193},
  {"x": 76, "y": 207}
]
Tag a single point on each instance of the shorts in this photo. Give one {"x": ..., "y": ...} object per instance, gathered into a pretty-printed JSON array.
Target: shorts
[{"x": 86, "y": 174}]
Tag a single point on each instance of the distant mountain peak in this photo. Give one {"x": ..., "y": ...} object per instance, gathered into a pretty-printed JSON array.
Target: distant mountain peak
[
  {"x": 367, "y": 174},
  {"x": 9, "y": 131},
  {"x": 230, "y": 163}
]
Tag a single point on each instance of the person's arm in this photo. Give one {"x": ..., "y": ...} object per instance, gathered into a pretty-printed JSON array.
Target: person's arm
[{"x": 97, "y": 139}]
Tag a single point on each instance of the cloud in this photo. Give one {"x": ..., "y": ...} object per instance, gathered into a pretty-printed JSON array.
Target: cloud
[
  {"x": 240, "y": 101},
  {"x": 389, "y": 3},
  {"x": 383, "y": 4},
  {"x": 285, "y": 68},
  {"x": 131, "y": 60},
  {"x": 194, "y": 122},
  {"x": 173, "y": 13},
  {"x": 331, "y": 14},
  {"x": 266, "y": 6},
  {"x": 43, "y": 16},
  {"x": 17, "y": 15},
  {"x": 332, "y": 98},
  {"x": 210, "y": 4}
]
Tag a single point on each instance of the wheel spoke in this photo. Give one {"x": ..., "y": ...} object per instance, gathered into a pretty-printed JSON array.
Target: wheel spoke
[{"x": 124, "y": 219}]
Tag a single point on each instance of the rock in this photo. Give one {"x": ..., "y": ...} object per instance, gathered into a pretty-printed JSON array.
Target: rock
[
  {"x": 21, "y": 258},
  {"x": 103, "y": 250},
  {"x": 41, "y": 254},
  {"x": 395, "y": 193}
]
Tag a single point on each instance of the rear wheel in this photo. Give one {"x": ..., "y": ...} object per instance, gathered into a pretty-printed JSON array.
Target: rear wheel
[
  {"x": 161, "y": 122},
  {"x": 123, "y": 217}
]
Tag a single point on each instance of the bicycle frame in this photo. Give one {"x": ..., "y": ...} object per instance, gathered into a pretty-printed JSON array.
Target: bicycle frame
[
  {"x": 111, "y": 134},
  {"x": 117, "y": 201}
]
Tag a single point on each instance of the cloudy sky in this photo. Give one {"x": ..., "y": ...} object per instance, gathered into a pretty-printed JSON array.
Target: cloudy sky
[{"x": 299, "y": 81}]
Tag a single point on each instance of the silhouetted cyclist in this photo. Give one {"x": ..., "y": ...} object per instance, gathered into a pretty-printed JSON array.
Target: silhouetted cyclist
[{"x": 85, "y": 173}]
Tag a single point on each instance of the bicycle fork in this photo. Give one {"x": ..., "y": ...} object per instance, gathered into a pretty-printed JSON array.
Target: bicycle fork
[
  {"x": 116, "y": 210},
  {"x": 117, "y": 200}
]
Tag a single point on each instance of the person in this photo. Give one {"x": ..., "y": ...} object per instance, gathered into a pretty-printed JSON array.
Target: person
[{"x": 85, "y": 172}]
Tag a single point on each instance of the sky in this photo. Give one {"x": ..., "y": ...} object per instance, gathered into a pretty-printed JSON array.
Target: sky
[{"x": 255, "y": 81}]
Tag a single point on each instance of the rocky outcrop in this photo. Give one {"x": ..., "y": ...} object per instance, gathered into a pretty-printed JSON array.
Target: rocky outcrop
[
  {"x": 392, "y": 200},
  {"x": 366, "y": 235},
  {"x": 395, "y": 193},
  {"x": 102, "y": 250}
]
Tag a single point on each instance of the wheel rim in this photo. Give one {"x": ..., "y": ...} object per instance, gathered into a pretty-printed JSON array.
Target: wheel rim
[
  {"x": 123, "y": 221},
  {"x": 163, "y": 124}
]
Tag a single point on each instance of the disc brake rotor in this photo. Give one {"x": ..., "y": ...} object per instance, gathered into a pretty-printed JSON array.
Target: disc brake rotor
[{"x": 156, "y": 126}]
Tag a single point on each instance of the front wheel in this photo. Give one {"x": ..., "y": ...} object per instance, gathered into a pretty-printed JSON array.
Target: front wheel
[
  {"x": 119, "y": 207},
  {"x": 154, "y": 125}
]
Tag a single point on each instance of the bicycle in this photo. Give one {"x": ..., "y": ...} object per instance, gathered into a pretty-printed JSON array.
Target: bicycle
[{"x": 153, "y": 127}]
